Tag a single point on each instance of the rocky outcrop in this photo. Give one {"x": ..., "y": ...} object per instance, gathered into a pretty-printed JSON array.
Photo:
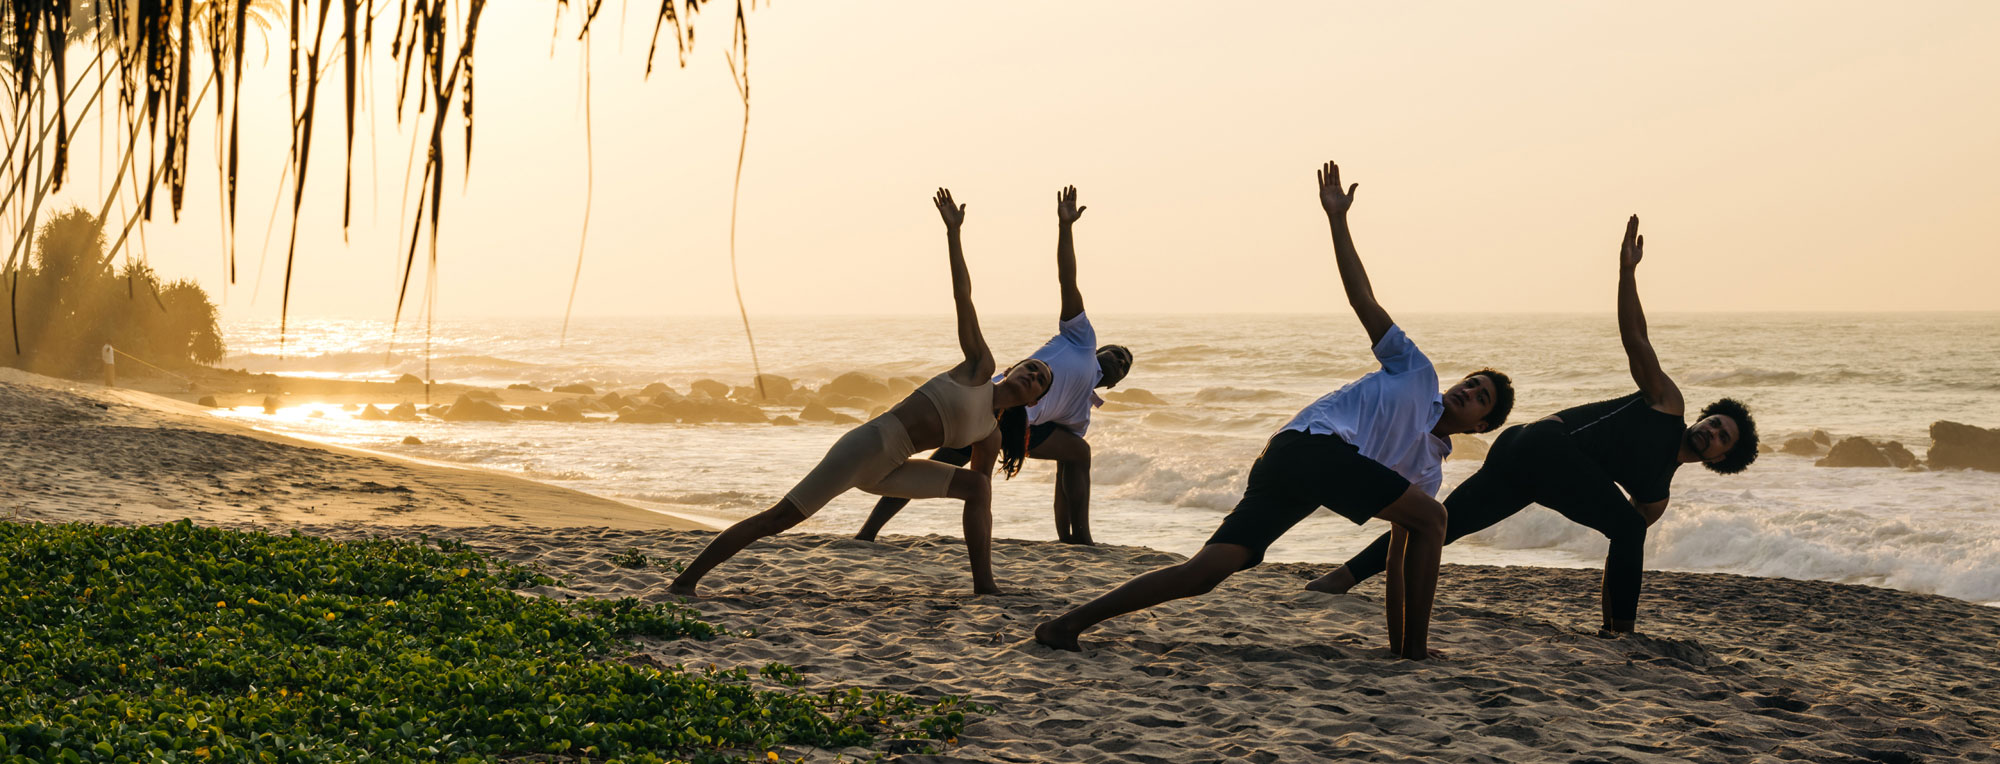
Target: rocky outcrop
[
  {"x": 1854, "y": 452},
  {"x": 470, "y": 409},
  {"x": 654, "y": 389},
  {"x": 817, "y": 413},
  {"x": 371, "y": 414},
  {"x": 410, "y": 380},
  {"x": 710, "y": 388},
  {"x": 576, "y": 389},
  {"x": 775, "y": 387},
  {"x": 524, "y": 386},
  {"x": 404, "y": 412},
  {"x": 207, "y": 400},
  {"x": 858, "y": 384},
  {"x": 1963, "y": 446},
  {"x": 1801, "y": 445},
  {"x": 412, "y": 440}
]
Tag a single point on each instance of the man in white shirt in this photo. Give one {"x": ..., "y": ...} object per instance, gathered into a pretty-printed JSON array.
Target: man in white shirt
[
  {"x": 1372, "y": 449},
  {"x": 1056, "y": 424}
]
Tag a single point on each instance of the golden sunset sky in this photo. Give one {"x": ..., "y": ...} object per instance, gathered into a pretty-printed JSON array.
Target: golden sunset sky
[{"x": 1783, "y": 156}]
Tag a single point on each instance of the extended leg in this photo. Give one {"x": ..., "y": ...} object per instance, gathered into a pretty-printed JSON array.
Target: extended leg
[
  {"x": 726, "y": 544},
  {"x": 1210, "y": 566},
  {"x": 888, "y": 506}
]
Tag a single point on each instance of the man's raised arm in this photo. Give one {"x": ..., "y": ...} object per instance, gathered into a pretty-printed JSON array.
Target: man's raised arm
[
  {"x": 1066, "y": 213},
  {"x": 1660, "y": 391},
  {"x": 1352, "y": 276}
]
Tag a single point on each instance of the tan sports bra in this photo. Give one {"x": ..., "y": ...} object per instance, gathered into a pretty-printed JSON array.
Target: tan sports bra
[{"x": 965, "y": 410}]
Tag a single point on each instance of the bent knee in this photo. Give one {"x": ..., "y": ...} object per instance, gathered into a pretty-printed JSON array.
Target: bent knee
[
  {"x": 970, "y": 485},
  {"x": 1426, "y": 518}
]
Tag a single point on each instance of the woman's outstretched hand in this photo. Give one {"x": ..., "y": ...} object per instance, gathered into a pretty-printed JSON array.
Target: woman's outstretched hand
[
  {"x": 1634, "y": 247},
  {"x": 953, "y": 214},
  {"x": 1066, "y": 210}
]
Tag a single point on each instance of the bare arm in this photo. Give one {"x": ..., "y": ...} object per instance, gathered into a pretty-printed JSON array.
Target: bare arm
[
  {"x": 978, "y": 359},
  {"x": 1352, "y": 276},
  {"x": 1066, "y": 213},
  {"x": 985, "y": 453},
  {"x": 1659, "y": 390},
  {"x": 1651, "y": 510}
]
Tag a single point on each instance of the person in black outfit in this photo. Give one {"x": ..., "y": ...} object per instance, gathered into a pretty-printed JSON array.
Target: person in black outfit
[{"x": 1574, "y": 462}]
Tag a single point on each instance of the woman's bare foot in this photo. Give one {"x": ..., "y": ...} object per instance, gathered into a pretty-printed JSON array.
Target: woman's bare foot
[
  {"x": 987, "y": 589},
  {"x": 1047, "y": 635},
  {"x": 683, "y": 590},
  {"x": 1337, "y": 582}
]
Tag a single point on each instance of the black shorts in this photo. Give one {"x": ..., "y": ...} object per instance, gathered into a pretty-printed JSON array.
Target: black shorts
[
  {"x": 1036, "y": 434},
  {"x": 1298, "y": 473}
]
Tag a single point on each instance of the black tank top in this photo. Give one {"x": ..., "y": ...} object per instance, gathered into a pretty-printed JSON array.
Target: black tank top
[{"x": 1636, "y": 444}]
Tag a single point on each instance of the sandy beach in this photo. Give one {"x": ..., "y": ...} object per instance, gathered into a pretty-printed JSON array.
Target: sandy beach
[{"x": 1729, "y": 669}]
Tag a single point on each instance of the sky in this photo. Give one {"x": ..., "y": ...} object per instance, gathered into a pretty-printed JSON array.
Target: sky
[{"x": 1818, "y": 156}]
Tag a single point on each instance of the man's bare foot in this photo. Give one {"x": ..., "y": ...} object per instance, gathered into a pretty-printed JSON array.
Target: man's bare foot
[
  {"x": 987, "y": 589},
  {"x": 683, "y": 590},
  {"x": 1047, "y": 635},
  {"x": 864, "y": 536},
  {"x": 1337, "y": 582}
]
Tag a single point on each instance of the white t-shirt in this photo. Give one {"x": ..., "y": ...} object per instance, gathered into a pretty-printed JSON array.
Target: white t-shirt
[
  {"x": 109, "y": 357},
  {"x": 1387, "y": 415},
  {"x": 1072, "y": 355}
]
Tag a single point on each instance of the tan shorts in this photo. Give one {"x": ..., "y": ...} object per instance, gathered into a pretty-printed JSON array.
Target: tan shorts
[{"x": 874, "y": 457}]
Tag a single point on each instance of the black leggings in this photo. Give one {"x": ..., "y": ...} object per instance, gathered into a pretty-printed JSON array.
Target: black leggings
[{"x": 1539, "y": 463}]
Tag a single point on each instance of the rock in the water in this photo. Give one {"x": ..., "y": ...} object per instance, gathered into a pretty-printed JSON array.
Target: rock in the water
[
  {"x": 576, "y": 389},
  {"x": 775, "y": 387},
  {"x": 207, "y": 400},
  {"x": 710, "y": 388},
  {"x": 271, "y": 404},
  {"x": 410, "y": 379},
  {"x": 470, "y": 409},
  {"x": 565, "y": 411},
  {"x": 1141, "y": 395},
  {"x": 901, "y": 387},
  {"x": 1899, "y": 457},
  {"x": 524, "y": 386},
  {"x": 411, "y": 440},
  {"x": 484, "y": 395},
  {"x": 404, "y": 412},
  {"x": 1802, "y": 445},
  {"x": 1820, "y": 437},
  {"x": 647, "y": 414},
  {"x": 655, "y": 389},
  {"x": 1467, "y": 447},
  {"x": 784, "y": 421},
  {"x": 1854, "y": 452},
  {"x": 858, "y": 384},
  {"x": 349, "y": 407},
  {"x": 817, "y": 413},
  {"x": 1955, "y": 445}
]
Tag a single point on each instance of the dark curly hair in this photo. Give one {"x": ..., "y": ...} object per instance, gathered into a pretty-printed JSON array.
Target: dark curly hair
[
  {"x": 1745, "y": 450},
  {"x": 1503, "y": 398}
]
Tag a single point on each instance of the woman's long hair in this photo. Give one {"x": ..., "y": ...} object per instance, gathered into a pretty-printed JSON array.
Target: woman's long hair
[{"x": 1013, "y": 440}]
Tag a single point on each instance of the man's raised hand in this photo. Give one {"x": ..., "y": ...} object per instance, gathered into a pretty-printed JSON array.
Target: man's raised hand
[
  {"x": 1634, "y": 248},
  {"x": 1331, "y": 196},
  {"x": 1066, "y": 210}
]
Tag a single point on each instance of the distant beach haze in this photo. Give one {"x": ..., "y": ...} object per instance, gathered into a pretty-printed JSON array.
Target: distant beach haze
[{"x": 1785, "y": 156}]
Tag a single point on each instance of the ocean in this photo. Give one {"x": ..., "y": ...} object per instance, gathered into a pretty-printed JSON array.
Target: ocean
[{"x": 1164, "y": 476}]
